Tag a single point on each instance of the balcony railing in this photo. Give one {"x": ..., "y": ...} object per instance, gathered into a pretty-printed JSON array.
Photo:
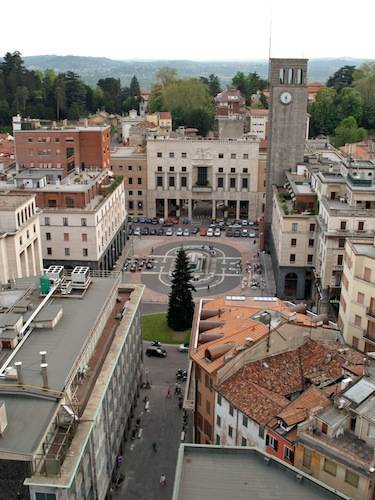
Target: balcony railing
[
  {"x": 202, "y": 189},
  {"x": 369, "y": 338},
  {"x": 370, "y": 312}
]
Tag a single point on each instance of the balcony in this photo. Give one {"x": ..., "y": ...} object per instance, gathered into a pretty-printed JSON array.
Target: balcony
[
  {"x": 197, "y": 188},
  {"x": 355, "y": 181},
  {"x": 370, "y": 311},
  {"x": 369, "y": 338}
]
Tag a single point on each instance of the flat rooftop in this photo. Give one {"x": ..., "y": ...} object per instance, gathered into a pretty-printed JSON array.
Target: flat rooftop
[
  {"x": 127, "y": 152},
  {"x": 219, "y": 473},
  {"x": 13, "y": 201},
  {"x": 365, "y": 249},
  {"x": 30, "y": 414}
]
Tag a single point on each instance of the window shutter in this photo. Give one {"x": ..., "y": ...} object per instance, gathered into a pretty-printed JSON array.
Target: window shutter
[
  {"x": 276, "y": 444},
  {"x": 292, "y": 456},
  {"x": 267, "y": 439}
]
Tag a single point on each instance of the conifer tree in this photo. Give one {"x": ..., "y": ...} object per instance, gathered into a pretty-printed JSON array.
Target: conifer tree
[{"x": 181, "y": 305}]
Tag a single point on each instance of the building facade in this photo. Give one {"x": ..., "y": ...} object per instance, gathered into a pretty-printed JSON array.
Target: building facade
[
  {"x": 69, "y": 449},
  {"x": 288, "y": 94},
  {"x": 65, "y": 147},
  {"x": 20, "y": 237},
  {"x": 209, "y": 178},
  {"x": 131, "y": 164}
]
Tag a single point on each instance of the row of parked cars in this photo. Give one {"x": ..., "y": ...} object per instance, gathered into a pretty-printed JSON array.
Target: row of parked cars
[{"x": 211, "y": 231}]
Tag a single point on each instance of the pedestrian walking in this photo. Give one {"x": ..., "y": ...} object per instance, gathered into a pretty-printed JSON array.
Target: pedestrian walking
[
  {"x": 163, "y": 480},
  {"x": 208, "y": 287},
  {"x": 154, "y": 447},
  {"x": 169, "y": 392}
]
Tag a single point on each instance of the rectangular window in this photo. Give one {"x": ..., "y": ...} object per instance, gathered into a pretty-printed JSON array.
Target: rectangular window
[
  {"x": 357, "y": 320},
  {"x": 69, "y": 202},
  {"x": 233, "y": 156},
  {"x": 351, "y": 478},
  {"x": 49, "y": 251},
  {"x": 367, "y": 274},
  {"x": 361, "y": 225},
  {"x": 202, "y": 179},
  {"x": 159, "y": 181},
  {"x": 243, "y": 442},
  {"x": 232, "y": 182},
  {"x": 330, "y": 467},
  {"x": 171, "y": 181},
  {"x": 183, "y": 169},
  {"x": 159, "y": 155},
  {"x": 339, "y": 260},
  {"x": 131, "y": 205},
  {"x": 261, "y": 432},
  {"x": 231, "y": 410},
  {"x": 220, "y": 182},
  {"x": 245, "y": 156},
  {"x": 220, "y": 170},
  {"x": 83, "y": 222},
  {"x": 130, "y": 167},
  {"x": 183, "y": 182},
  {"x": 311, "y": 243},
  {"x": 245, "y": 183},
  {"x": 130, "y": 193},
  {"x": 45, "y": 496},
  {"x": 85, "y": 252},
  {"x": 130, "y": 180},
  {"x": 342, "y": 242},
  {"x": 219, "y": 399},
  {"x": 294, "y": 227},
  {"x": 47, "y": 221},
  {"x": 20, "y": 240},
  {"x": 183, "y": 155},
  {"x": 52, "y": 203},
  {"x": 67, "y": 252},
  {"x": 84, "y": 236},
  {"x": 310, "y": 258},
  {"x": 171, "y": 169},
  {"x": 288, "y": 454},
  {"x": 139, "y": 193},
  {"x": 293, "y": 242},
  {"x": 48, "y": 236},
  {"x": 232, "y": 170},
  {"x": 245, "y": 420},
  {"x": 66, "y": 236},
  {"x": 230, "y": 431},
  {"x": 217, "y": 441},
  {"x": 218, "y": 420},
  {"x": 312, "y": 228},
  {"x": 171, "y": 155},
  {"x": 272, "y": 442},
  {"x": 139, "y": 168},
  {"x": 65, "y": 221},
  {"x": 343, "y": 225},
  {"x": 160, "y": 169},
  {"x": 221, "y": 155},
  {"x": 360, "y": 298},
  {"x": 306, "y": 461},
  {"x": 245, "y": 170},
  {"x": 292, "y": 257},
  {"x": 139, "y": 180}
]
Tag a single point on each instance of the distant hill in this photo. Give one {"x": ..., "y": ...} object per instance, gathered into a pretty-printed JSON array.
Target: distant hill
[{"x": 91, "y": 69}]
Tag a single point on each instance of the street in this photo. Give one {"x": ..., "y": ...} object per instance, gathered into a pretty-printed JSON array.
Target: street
[{"x": 162, "y": 424}]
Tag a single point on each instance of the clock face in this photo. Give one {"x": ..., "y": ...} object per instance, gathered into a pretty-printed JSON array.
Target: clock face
[{"x": 286, "y": 98}]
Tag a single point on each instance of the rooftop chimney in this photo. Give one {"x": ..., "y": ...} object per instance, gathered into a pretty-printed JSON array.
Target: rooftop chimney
[
  {"x": 43, "y": 356},
  {"x": 43, "y": 371},
  {"x": 18, "y": 365}
]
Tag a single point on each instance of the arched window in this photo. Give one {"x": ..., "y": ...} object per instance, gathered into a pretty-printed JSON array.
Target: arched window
[
  {"x": 299, "y": 76},
  {"x": 282, "y": 75},
  {"x": 290, "y": 75}
]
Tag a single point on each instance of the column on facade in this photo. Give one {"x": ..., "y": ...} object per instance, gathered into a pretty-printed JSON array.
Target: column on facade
[
  {"x": 190, "y": 211},
  {"x": 34, "y": 270},
  {"x": 165, "y": 207},
  {"x": 214, "y": 209},
  {"x": 237, "y": 209}
]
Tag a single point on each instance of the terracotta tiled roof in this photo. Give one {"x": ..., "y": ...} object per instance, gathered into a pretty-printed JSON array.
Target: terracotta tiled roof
[
  {"x": 165, "y": 115},
  {"x": 235, "y": 95},
  {"x": 258, "y": 112},
  {"x": 256, "y": 402},
  {"x": 299, "y": 409}
]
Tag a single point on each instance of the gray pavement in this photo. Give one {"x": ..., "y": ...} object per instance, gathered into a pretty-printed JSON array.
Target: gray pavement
[{"x": 163, "y": 425}]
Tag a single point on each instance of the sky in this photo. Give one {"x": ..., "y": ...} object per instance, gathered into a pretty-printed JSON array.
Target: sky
[{"x": 193, "y": 29}]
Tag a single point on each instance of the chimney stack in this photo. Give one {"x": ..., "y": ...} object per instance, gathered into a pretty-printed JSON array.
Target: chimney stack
[
  {"x": 43, "y": 356},
  {"x": 18, "y": 365},
  {"x": 43, "y": 370}
]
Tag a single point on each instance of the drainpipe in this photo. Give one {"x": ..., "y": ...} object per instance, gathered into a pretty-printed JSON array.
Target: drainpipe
[
  {"x": 18, "y": 365},
  {"x": 43, "y": 370},
  {"x": 237, "y": 428}
]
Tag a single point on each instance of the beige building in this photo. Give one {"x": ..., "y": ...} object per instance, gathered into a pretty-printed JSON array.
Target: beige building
[
  {"x": 20, "y": 239},
  {"x": 259, "y": 122},
  {"x": 131, "y": 164},
  {"x": 357, "y": 302},
  {"x": 203, "y": 177}
]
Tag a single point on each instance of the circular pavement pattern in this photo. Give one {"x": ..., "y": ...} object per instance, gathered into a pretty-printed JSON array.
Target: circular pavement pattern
[{"x": 217, "y": 267}]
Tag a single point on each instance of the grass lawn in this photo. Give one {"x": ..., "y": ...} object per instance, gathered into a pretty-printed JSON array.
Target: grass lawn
[{"x": 154, "y": 327}]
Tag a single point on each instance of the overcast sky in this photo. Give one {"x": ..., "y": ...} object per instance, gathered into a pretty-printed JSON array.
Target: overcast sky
[{"x": 192, "y": 29}]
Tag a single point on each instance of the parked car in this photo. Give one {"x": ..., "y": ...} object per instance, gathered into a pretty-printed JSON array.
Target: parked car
[
  {"x": 130, "y": 231},
  {"x": 173, "y": 220},
  {"x": 142, "y": 220},
  {"x": 195, "y": 230},
  {"x": 183, "y": 348},
  {"x": 244, "y": 222},
  {"x": 158, "y": 352},
  {"x": 217, "y": 232},
  {"x": 229, "y": 233},
  {"x": 145, "y": 231},
  {"x": 136, "y": 220},
  {"x": 210, "y": 232},
  {"x": 169, "y": 232},
  {"x": 237, "y": 233},
  {"x": 179, "y": 232},
  {"x": 154, "y": 221},
  {"x": 252, "y": 235},
  {"x": 202, "y": 232},
  {"x": 160, "y": 231},
  {"x": 133, "y": 268},
  {"x": 152, "y": 231},
  {"x": 161, "y": 221},
  {"x": 244, "y": 233},
  {"x": 186, "y": 232},
  {"x": 137, "y": 231},
  {"x": 185, "y": 220}
]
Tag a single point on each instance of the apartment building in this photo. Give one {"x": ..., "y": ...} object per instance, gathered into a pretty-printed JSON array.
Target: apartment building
[
  {"x": 203, "y": 177},
  {"x": 131, "y": 164},
  {"x": 63, "y": 425},
  {"x": 227, "y": 334},
  {"x": 258, "y": 123},
  {"x": 357, "y": 301},
  {"x": 294, "y": 237},
  {"x": 20, "y": 237},
  {"x": 45, "y": 144},
  {"x": 229, "y": 102},
  {"x": 337, "y": 445}
]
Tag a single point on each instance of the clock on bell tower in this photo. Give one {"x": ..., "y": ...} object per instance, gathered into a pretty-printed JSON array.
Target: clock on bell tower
[{"x": 287, "y": 118}]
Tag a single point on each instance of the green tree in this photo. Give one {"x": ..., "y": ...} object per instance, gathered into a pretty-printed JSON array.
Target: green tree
[
  {"x": 349, "y": 103},
  {"x": 181, "y": 305},
  {"x": 348, "y": 131},
  {"x": 214, "y": 85},
  {"x": 60, "y": 96},
  {"x": 248, "y": 84},
  {"x": 364, "y": 83},
  {"x": 165, "y": 75},
  {"x": 135, "y": 90},
  {"x": 323, "y": 113},
  {"x": 343, "y": 77}
]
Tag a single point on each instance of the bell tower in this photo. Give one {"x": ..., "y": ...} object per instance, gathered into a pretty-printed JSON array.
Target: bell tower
[{"x": 288, "y": 118}]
